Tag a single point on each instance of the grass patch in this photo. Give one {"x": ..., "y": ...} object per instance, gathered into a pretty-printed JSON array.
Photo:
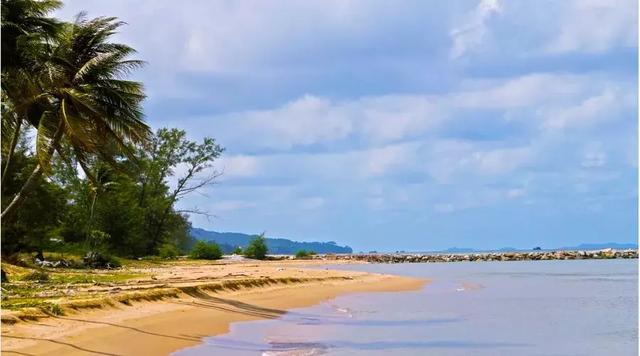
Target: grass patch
[
  {"x": 89, "y": 304},
  {"x": 52, "y": 309},
  {"x": 148, "y": 296},
  {"x": 36, "y": 276},
  {"x": 114, "y": 277}
]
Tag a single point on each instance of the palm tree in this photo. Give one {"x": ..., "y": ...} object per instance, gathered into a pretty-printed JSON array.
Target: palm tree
[
  {"x": 26, "y": 35},
  {"x": 24, "y": 25},
  {"x": 88, "y": 104}
]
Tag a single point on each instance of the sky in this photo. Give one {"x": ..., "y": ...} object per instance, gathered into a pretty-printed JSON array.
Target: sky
[{"x": 401, "y": 125}]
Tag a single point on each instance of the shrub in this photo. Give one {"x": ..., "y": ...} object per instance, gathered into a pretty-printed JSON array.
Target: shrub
[
  {"x": 302, "y": 254},
  {"x": 100, "y": 260},
  {"x": 39, "y": 276},
  {"x": 206, "y": 251},
  {"x": 97, "y": 240},
  {"x": 97, "y": 255},
  {"x": 53, "y": 309},
  {"x": 237, "y": 251},
  {"x": 114, "y": 262},
  {"x": 257, "y": 248},
  {"x": 168, "y": 251}
]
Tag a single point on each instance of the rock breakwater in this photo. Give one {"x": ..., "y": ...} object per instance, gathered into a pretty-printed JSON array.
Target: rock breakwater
[{"x": 488, "y": 256}]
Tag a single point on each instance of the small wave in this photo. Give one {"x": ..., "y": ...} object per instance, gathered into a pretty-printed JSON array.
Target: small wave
[
  {"x": 469, "y": 286},
  {"x": 342, "y": 310},
  {"x": 307, "y": 352},
  {"x": 295, "y": 349}
]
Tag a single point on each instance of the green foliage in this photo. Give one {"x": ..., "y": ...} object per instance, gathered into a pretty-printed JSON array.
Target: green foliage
[
  {"x": 303, "y": 254},
  {"x": 168, "y": 251},
  {"x": 168, "y": 149},
  {"x": 38, "y": 276},
  {"x": 33, "y": 226},
  {"x": 98, "y": 241},
  {"x": 67, "y": 83},
  {"x": 237, "y": 250},
  {"x": 53, "y": 309},
  {"x": 257, "y": 248},
  {"x": 81, "y": 100},
  {"x": 98, "y": 255},
  {"x": 206, "y": 251}
]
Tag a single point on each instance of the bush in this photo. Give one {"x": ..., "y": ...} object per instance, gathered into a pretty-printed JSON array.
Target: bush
[
  {"x": 302, "y": 254},
  {"x": 95, "y": 259},
  {"x": 168, "y": 251},
  {"x": 53, "y": 309},
  {"x": 97, "y": 255},
  {"x": 38, "y": 276},
  {"x": 237, "y": 251},
  {"x": 257, "y": 248},
  {"x": 98, "y": 241},
  {"x": 206, "y": 251},
  {"x": 114, "y": 262}
]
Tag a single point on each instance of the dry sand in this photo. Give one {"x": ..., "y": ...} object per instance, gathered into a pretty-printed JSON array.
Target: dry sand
[{"x": 161, "y": 327}]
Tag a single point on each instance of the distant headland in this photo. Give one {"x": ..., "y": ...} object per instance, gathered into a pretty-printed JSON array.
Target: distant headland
[{"x": 279, "y": 246}]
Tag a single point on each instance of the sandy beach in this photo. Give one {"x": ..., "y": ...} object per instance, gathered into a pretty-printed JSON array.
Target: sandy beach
[{"x": 210, "y": 297}]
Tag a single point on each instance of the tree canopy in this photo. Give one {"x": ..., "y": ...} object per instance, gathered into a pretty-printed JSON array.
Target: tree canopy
[{"x": 78, "y": 158}]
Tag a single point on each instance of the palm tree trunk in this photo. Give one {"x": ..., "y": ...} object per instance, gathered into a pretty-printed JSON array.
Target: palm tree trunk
[
  {"x": 31, "y": 181},
  {"x": 93, "y": 204},
  {"x": 12, "y": 149}
]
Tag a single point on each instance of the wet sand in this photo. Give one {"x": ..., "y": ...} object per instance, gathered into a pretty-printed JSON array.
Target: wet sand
[{"x": 161, "y": 327}]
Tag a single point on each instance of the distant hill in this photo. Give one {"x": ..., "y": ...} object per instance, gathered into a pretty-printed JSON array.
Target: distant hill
[{"x": 229, "y": 240}]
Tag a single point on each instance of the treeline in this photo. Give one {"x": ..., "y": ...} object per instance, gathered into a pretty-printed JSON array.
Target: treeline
[{"x": 81, "y": 169}]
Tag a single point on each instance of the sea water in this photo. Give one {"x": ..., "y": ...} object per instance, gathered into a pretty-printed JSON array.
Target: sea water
[{"x": 585, "y": 307}]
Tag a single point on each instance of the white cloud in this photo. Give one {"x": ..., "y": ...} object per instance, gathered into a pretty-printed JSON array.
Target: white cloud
[
  {"x": 304, "y": 121},
  {"x": 605, "y": 106},
  {"x": 380, "y": 161},
  {"x": 239, "y": 166},
  {"x": 501, "y": 160},
  {"x": 378, "y": 120},
  {"x": 313, "y": 120},
  {"x": 389, "y": 118},
  {"x": 596, "y": 26},
  {"x": 526, "y": 90},
  {"x": 448, "y": 161},
  {"x": 349, "y": 165},
  {"x": 469, "y": 35}
]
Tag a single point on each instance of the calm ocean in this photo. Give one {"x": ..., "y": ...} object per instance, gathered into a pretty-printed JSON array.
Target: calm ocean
[{"x": 587, "y": 307}]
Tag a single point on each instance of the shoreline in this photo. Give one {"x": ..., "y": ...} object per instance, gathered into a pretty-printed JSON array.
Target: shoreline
[{"x": 168, "y": 325}]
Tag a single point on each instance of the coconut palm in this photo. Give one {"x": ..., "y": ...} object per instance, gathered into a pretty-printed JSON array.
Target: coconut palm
[
  {"x": 89, "y": 106},
  {"x": 24, "y": 25},
  {"x": 26, "y": 35}
]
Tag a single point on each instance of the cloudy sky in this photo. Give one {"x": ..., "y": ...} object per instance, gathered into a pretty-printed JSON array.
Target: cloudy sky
[{"x": 401, "y": 125}]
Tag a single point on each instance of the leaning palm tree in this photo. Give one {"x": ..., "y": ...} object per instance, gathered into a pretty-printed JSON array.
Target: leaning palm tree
[
  {"x": 27, "y": 32},
  {"x": 89, "y": 105}
]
